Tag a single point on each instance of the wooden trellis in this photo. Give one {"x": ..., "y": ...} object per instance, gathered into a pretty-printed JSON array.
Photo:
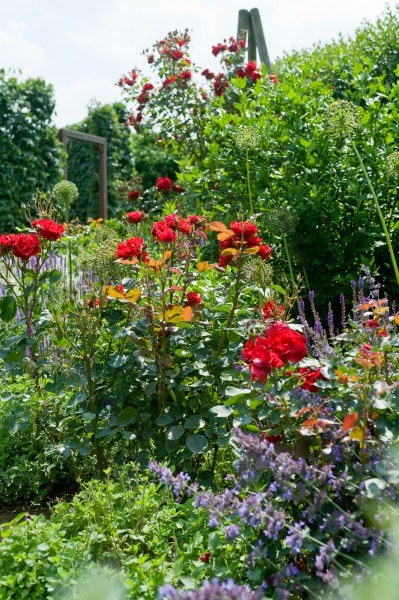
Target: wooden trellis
[
  {"x": 101, "y": 142},
  {"x": 250, "y": 24}
]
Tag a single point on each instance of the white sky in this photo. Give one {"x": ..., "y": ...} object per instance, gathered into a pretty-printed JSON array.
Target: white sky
[{"x": 82, "y": 47}]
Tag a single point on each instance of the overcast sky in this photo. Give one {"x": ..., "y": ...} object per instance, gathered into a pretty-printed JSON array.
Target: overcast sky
[{"x": 82, "y": 47}]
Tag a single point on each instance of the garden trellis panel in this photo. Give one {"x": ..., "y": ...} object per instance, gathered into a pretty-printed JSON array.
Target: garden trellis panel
[{"x": 101, "y": 142}]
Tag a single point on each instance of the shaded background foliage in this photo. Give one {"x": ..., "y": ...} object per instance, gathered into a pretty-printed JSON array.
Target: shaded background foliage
[{"x": 30, "y": 154}]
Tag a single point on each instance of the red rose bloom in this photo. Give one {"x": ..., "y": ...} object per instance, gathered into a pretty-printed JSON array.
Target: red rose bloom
[
  {"x": 184, "y": 226},
  {"x": 135, "y": 217},
  {"x": 208, "y": 74},
  {"x": 205, "y": 557},
  {"x": 6, "y": 242},
  {"x": 240, "y": 73},
  {"x": 150, "y": 59},
  {"x": 220, "y": 85},
  {"x": 164, "y": 184},
  {"x": 224, "y": 260},
  {"x": 244, "y": 230},
  {"x": 147, "y": 87},
  {"x": 233, "y": 47},
  {"x": 167, "y": 82},
  {"x": 264, "y": 252},
  {"x": 256, "y": 75},
  {"x": 251, "y": 68},
  {"x": 311, "y": 376},
  {"x": 133, "y": 247},
  {"x": 47, "y": 229},
  {"x": 262, "y": 360},
  {"x": 273, "y": 78},
  {"x": 134, "y": 195},
  {"x": 289, "y": 344},
  {"x": 271, "y": 310},
  {"x": 26, "y": 245},
  {"x": 186, "y": 75},
  {"x": 176, "y": 54},
  {"x": 165, "y": 235},
  {"x": 193, "y": 299}
]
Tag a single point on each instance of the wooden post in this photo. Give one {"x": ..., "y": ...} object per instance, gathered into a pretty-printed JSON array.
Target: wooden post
[
  {"x": 69, "y": 134},
  {"x": 256, "y": 26},
  {"x": 250, "y": 24}
]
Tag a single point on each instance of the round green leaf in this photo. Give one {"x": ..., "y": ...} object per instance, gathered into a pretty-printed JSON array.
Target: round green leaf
[{"x": 197, "y": 443}]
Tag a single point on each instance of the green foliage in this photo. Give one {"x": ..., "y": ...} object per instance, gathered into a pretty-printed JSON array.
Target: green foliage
[
  {"x": 105, "y": 121},
  {"x": 29, "y": 150}
]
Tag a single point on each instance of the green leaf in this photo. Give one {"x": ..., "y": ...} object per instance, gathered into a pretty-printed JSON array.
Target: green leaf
[
  {"x": 127, "y": 416},
  {"x": 51, "y": 276},
  {"x": 231, "y": 391},
  {"x": 221, "y": 411},
  {"x": 164, "y": 420},
  {"x": 197, "y": 443},
  {"x": 175, "y": 432},
  {"x": 194, "y": 422},
  {"x": 8, "y": 308}
]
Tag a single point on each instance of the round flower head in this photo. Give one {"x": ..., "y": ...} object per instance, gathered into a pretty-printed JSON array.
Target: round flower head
[
  {"x": 342, "y": 119},
  {"x": 247, "y": 137},
  {"x": 392, "y": 165}
]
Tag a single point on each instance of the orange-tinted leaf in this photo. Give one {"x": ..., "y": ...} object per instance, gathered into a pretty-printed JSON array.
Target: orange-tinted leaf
[
  {"x": 229, "y": 252},
  {"x": 187, "y": 313},
  {"x": 225, "y": 235},
  {"x": 302, "y": 411},
  {"x": 176, "y": 288},
  {"x": 173, "y": 314},
  {"x": 204, "y": 266},
  {"x": 174, "y": 270},
  {"x": 396, "y": 319},
  {"x": 217, "y": 226},
  {"x": 253, "y": 250},
  {"x": 128, "y": 261},
  {"x": 112, "y": 292},
  {"x": 132, "y": 295},
  {"x": 350, "y": 421}
]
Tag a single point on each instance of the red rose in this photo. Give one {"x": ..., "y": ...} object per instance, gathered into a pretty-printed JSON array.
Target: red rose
[
  {"x": 264, "y": 252},
  {"x": 139, "y": 117},
  {"x": 167, "y": 82},
  {"x": 220, "y": 85},
  {"x": 240, "y": 73},
  {"x": 251, "y": 68},
  {"x": 6, "y": 242},
  {"x": 133, "y": 195},
  {"x": 233, "y": 47},
  {"x": 224, "y": 260},
  {"x": 164, "y": 184},
  {"x": 246, "y": 230},
  {"x": 311, "y": 376},
  {"x": 147, "y": 87},
  {"x": 150, "y": 59},
  {"x": 261, "y": 359},
  {"x": 241, "y": 43},
  {"x": 186, "y": 75},
  {"x": 166, "y": 235},
  {"x": 184, "y": 226},
  {"x": 273, "y": 78},
  {"x": 135, "y": 217},
  {"x": 47, "y": 229},
  {"x": 133, "y": 247},
  {"x": 170, "y": 221},
  {"x": 289, "y": 344},
  {"x": 256, "y": 75},
  {"x": 176, "y": 55},
  {"x": 205, "y": 557},
  {"x": 26, "y": 245},
  {"x": 271, "y": 310},
  {"x": 193, "y": 299},
  {"x": 208, "y": 74}
]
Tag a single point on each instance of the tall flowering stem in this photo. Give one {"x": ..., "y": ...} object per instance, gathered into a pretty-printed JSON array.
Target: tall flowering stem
[{"x": 379, "y": 211}]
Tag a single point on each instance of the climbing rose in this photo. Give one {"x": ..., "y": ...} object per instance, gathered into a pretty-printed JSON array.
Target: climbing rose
[
  {"x": 47, "y": 229},
  {"x": 251, "y": 68},
  {"x": 133, "y": 195},
  {"x": 147, "y": 87},
  {"x": 26, "y": 245},
  {"x": 176, "y": 55},
  {"x": 186, "y": 75},
  {"x": 164, "y": 184}
]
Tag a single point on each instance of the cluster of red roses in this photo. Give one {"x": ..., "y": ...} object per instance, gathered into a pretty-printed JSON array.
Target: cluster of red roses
[
  {"x": 166, "y": 230},
  {"x": 250, "y": 70},
  {"x": 25, "y": 245},
  {"x": 241, "y": 236},
  {"x": 128, "y": 81},
  {"x": 278, "y": 345},
  {"x": 132, "y": 248},
  {"x": 234, "y": 46},
  {"x": 164, "y": 184}
]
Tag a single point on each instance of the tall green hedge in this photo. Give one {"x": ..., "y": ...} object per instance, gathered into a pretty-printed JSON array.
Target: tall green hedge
[
  {"x": 107, "y": 121},
  {"x": 30, "y": 154}
]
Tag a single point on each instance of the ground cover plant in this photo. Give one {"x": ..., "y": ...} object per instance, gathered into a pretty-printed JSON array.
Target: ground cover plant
[{"x": 171, "y": 387}]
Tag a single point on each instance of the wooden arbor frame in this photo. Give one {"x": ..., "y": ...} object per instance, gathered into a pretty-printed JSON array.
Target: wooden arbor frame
[
  {"x": 101, "y": 142},
  {"x": 249, "y": 23}
]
